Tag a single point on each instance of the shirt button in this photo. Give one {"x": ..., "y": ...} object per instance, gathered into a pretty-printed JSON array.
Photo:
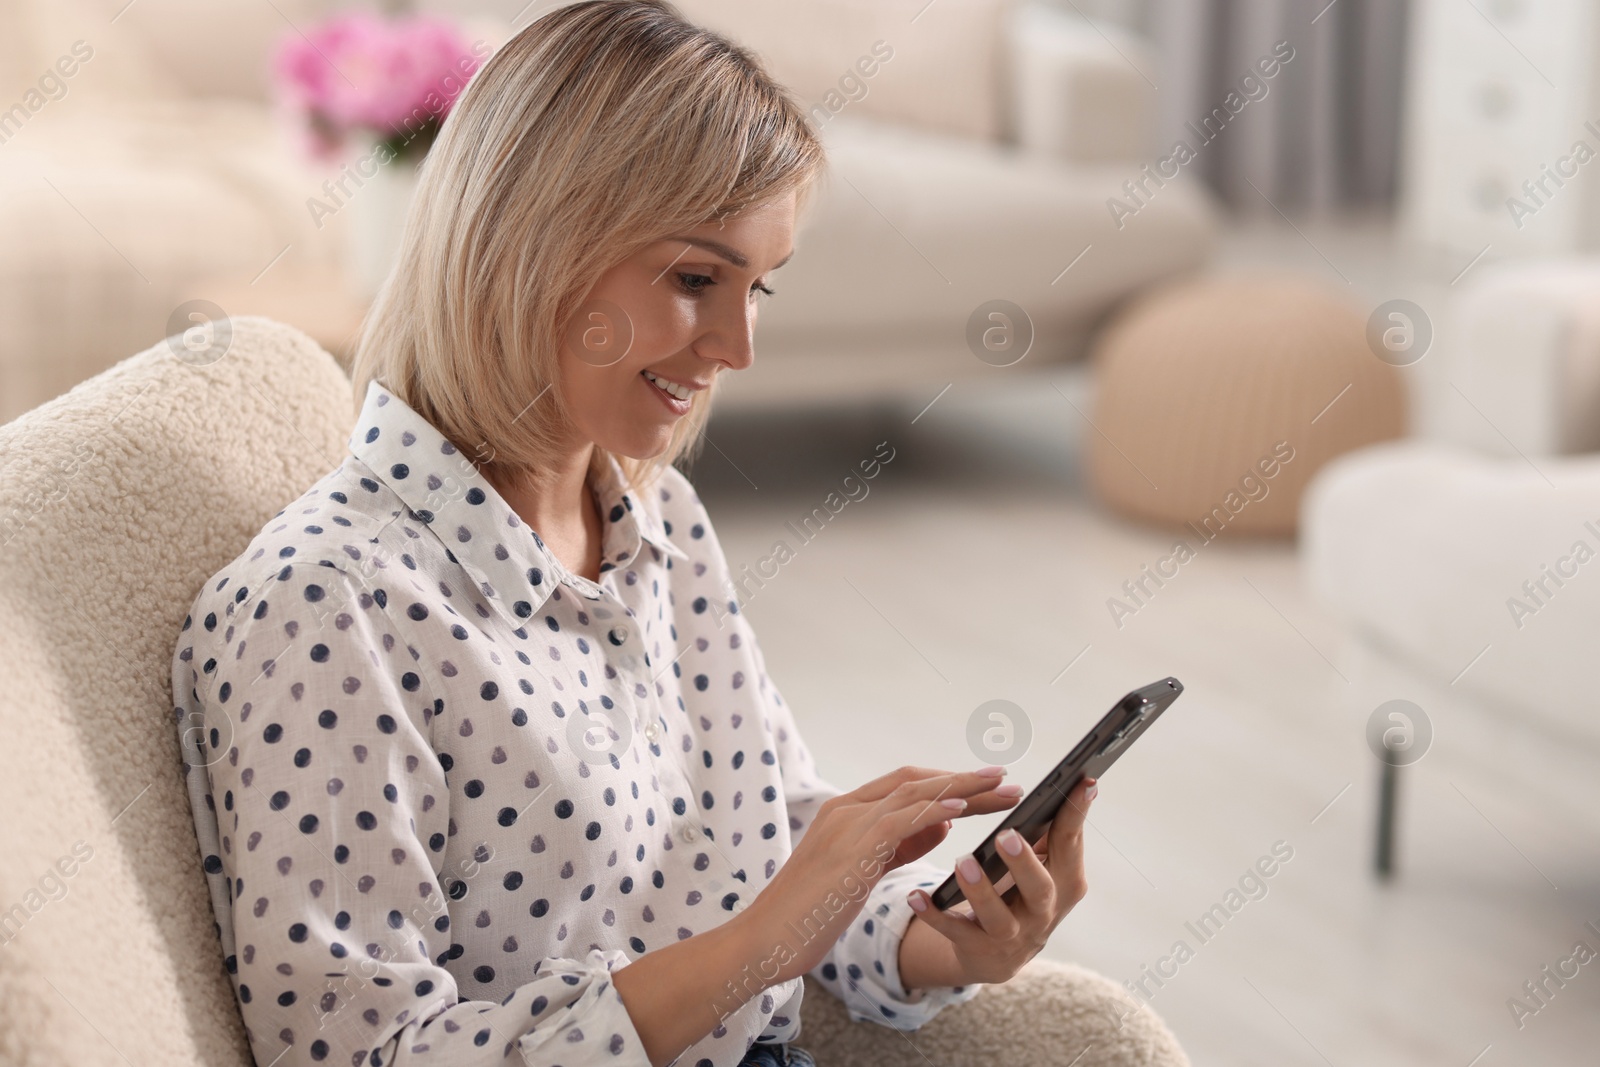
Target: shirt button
[
  {"x": 652, "y": 731},
  {"x": 688, "y": 834},
  {"x": 618, "y": 635}
]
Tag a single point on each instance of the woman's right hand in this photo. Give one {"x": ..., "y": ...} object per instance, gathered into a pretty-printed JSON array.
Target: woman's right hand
[{"x": 854, "y": 839}]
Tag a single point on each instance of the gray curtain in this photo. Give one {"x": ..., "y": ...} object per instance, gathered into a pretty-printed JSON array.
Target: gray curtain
[{"x": 1325, "y": 138}]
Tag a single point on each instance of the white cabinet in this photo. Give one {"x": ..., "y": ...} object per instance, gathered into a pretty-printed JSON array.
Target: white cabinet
[{"x": 1502, "y": 127}]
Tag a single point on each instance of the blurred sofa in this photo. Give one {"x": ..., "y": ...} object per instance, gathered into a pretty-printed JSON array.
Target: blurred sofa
[
  {"x": 973, "y": 162},
  {"x": 152, "y": 165},
  {"x": 1466, "y": 568}
]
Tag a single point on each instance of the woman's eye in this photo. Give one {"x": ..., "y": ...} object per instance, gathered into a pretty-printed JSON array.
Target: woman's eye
[{"x": 694, "y": 284}]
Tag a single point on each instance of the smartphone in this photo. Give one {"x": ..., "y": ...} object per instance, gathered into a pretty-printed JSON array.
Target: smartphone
[{"x": 1099, "y": 749}]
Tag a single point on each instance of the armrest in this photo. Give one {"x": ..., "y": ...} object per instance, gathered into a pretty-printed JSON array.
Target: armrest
[
  {"x": 1049, "y": 1013},
  {"x": 1076, "y": 91},
  {"x": 1530, "y": 357}
]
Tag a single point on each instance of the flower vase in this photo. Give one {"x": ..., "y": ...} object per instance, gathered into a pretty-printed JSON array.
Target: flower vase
[{"x": 378, "y": 208}]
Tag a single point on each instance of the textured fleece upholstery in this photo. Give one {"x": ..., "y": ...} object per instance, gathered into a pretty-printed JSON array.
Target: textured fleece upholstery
[
  {"x": 1055, "y": 1014},
  {"x": 116, "y": 501}
]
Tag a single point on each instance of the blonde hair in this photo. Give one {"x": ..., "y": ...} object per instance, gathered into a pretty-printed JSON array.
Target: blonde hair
[{"x": 596, "y": 130}]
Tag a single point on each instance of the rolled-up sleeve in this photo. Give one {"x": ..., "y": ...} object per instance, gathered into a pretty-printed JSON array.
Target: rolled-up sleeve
[
  {"x": 328, "y": 852},
  {"x": 864, "y": 964}
]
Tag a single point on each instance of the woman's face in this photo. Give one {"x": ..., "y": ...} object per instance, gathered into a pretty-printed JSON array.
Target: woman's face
[{"x": 678, "y": 313}]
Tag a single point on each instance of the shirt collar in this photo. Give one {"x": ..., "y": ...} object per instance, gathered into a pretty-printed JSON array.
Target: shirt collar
[
  {"x": 626, "y": 520},
  {"x": 444, "y": 489}
]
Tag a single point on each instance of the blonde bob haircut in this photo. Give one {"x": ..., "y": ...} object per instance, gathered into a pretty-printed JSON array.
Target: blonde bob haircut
[{"x": 595, "y": 131}]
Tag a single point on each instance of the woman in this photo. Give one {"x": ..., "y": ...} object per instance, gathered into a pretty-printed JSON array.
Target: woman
[{"x": 485, "y": 761}]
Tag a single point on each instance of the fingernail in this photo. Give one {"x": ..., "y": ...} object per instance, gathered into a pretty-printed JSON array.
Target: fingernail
[
  {"x": 1011, "y": 841},
  {"x": 1010, "y": 789},
  {"x": 917, "y": 903},
  {"x": 994, "y": 770},
  {"x": 953, "y": 803},
  {"x": 968, "y": 868},
  {"x": 1089, "y": 794}
]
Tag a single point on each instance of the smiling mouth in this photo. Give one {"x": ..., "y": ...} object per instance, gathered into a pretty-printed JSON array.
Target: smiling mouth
[{"x": 672, "y": 389}]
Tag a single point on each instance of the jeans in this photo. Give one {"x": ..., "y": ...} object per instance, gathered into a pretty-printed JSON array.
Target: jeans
[{"x": 777, "y": 1054}]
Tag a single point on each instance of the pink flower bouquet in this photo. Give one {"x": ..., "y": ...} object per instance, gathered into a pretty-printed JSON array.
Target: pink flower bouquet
[{"x": 388, "y": 81}]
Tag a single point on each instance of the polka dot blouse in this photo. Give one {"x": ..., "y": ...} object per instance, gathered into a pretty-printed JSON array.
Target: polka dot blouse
[{"x": 443, "y": 786}]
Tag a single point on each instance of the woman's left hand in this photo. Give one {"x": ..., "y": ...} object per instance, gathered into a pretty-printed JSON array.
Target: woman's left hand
[{"x": 987, "y": 939}]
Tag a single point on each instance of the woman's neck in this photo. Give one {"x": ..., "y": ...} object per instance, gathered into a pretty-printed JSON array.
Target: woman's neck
[{"x": 557, "y": 503}]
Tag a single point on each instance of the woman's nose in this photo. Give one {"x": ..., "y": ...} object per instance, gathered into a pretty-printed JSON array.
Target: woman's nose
[{"x": 733, "y": 340}]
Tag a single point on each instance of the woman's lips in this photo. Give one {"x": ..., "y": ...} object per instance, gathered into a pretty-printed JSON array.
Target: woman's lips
[{"x": 674, "y": 405}]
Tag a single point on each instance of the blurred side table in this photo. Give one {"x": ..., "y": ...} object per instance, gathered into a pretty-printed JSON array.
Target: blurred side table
[{"x": 316, "y": 299}]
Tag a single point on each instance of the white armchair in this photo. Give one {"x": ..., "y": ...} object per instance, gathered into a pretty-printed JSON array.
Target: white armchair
[
  {"x": 116, "y": 502},
  {"x": 1468, "y": 571}
]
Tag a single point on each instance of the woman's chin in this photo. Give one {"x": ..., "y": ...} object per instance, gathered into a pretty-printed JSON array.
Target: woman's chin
[
  {"x": 640, "y": 431},
  {"x": 641, "y": 447}
]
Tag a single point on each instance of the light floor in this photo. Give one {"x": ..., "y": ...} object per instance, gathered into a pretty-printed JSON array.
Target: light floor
[{"x": 978, "y": 568}]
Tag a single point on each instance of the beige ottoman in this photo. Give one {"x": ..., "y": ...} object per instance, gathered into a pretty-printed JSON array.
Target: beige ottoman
[{"x": 1218, "y": 399}]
